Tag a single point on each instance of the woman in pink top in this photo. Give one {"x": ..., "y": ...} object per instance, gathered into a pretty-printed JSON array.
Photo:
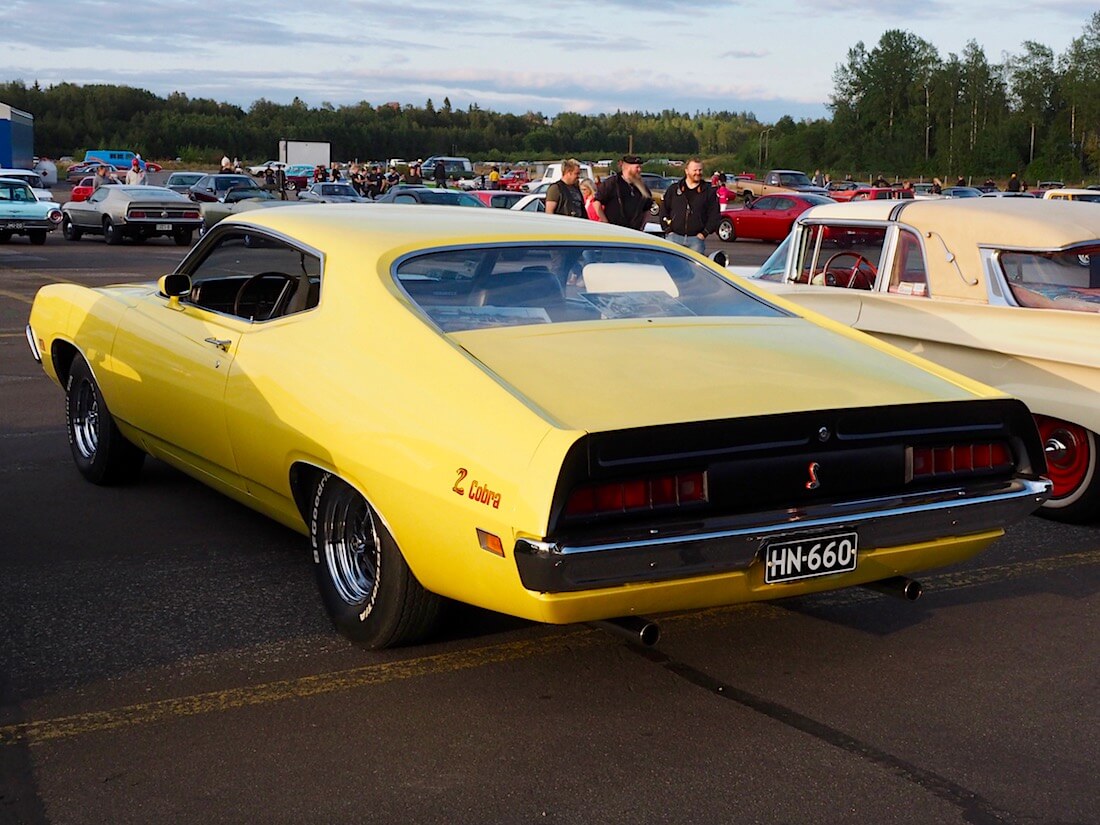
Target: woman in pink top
[{"x": 589, "y": 192}]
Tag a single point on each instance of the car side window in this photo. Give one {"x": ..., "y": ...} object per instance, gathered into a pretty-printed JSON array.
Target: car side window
[
  {"x": 97, "y": 196},
  {"x": 404, "y": 199},
  {"x": 256, "y": 277},
  {"x": 841, "y": 255},
  {"x": 783, "y": 204},
  {"x": 909, "y": 276},
  {"x": 766, "y": 203}
]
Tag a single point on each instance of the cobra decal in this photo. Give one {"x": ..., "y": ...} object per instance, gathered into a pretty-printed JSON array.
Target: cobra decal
[{"x": 478, "y": 492}]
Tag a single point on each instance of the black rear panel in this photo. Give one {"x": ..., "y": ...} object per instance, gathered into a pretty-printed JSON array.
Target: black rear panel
[{"x": 792, "y": 460}]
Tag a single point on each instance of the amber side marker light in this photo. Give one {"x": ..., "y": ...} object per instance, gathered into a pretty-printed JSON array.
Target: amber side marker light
[{"x": 490, "y": 542}]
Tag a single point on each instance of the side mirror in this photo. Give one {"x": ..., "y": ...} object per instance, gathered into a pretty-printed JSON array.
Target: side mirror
[{"x": 175, "y": 286}]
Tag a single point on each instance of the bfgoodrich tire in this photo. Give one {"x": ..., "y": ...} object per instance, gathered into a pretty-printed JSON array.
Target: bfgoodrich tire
[
  {"x": 101, "y": 453},
  {"x": 370, "y": 594}
]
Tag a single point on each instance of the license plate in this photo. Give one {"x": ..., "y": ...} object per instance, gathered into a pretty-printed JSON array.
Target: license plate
[
  {"x": 805, "y": 557},
  {"x": 14, "y": 225},
  {"x": 164, "y": 227}
]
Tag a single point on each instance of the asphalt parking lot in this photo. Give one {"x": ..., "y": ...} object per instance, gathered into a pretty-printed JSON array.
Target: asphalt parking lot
[{"x": 166, "y": 658}]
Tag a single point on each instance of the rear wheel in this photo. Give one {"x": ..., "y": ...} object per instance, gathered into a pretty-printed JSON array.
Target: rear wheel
[
  {"x": 726, "y": 231},
  {"x": 111, "y": 233},
  {"x": 5, "y": 235},
  {"x": 37, "y": 236},
  {"x": 100, "y": 451},
  {"x": 69, "y": 230},
  {"x": 1071, "y": 466},
  {"x": 369, "y": 592},
  {"x": 182, "y": 235}
]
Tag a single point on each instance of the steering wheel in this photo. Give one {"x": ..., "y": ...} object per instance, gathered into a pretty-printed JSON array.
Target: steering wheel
[
  {"x": 857, "y": 278},
  {"x": 257, "y": 313}
]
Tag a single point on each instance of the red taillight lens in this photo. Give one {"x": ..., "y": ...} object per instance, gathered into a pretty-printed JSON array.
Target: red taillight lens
[
  {"x": 136, "y": 213},
  {"x": 638, "y": 495},
  {"x": 191, "y": 215},
  {"x": 929, "y": 462}
]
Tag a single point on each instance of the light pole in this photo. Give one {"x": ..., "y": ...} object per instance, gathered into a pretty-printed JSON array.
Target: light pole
[{"x": 762, "y": 154}]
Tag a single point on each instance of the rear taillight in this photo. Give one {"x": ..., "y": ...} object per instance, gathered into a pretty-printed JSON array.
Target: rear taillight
[
  {"x": 192, "y": 214},
  {"x": 55, "y": 216},
  {"x": 953, "y": 459},
  {"x": 136, "y": 213},
  {"x": 638, "y": 495}
]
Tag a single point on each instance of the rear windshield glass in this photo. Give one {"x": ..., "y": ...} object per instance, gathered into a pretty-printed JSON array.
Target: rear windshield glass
[
  {"x": 465, "y": 289},
  {"x": 1055, "y": 280}
]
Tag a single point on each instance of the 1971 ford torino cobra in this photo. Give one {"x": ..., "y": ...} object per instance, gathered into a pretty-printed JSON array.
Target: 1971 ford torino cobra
[
  {"x": 561, "y": 420},
  {"x": 1006, "y": 291}
]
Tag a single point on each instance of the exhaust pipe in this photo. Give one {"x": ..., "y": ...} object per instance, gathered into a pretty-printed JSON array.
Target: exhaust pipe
[
  {"x": 900, "y": 587},
  {"x": 637, "y": 629}
]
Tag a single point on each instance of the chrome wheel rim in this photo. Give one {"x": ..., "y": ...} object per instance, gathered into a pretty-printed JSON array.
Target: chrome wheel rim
[
  {"x": 85, "y": 420},
  {"x": 352, "y": 550}
]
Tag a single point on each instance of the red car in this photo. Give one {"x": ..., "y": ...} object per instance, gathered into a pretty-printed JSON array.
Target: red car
[
  {"x": 872, "y": 193},
  {"x": 498, "y": 198},
  {"x": 83, "y": 189},
  {"x": 769, "y": 218},
  {"x": 514, "y": 181}
]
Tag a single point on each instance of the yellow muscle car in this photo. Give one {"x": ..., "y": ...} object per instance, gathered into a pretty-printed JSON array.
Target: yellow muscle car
[
  {"x": 557, "y": 419},
  {"x": 1005, "y": 290}
]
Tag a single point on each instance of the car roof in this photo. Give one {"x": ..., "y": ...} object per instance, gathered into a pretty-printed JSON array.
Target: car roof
[
  {"x": 13, "y": 180},
  {"x": 396, "y": 228}
]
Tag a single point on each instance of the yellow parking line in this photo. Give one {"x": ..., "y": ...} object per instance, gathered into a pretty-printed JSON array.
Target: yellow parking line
[
  {"x": 15, "y": 296},
  {"x": 45, "y": 730}
]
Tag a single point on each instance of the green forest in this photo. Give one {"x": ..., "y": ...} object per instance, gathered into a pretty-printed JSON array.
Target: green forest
[{"x": 898, "y": 108}]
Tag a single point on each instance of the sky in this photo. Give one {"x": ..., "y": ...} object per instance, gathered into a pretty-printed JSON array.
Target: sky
[{"x": 768, "y": 57}]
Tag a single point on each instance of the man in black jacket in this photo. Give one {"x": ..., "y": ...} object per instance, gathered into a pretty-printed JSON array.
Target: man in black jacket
[{"x": 690, "y": 209}]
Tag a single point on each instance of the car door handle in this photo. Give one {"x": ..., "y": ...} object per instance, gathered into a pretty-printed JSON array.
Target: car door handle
[{"x": 220, "y": 343}]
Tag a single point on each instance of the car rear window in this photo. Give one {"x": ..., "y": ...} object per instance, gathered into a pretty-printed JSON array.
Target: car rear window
[
  {"x": 1054, "y": 280},
  {"x": 462, "y": 289}
]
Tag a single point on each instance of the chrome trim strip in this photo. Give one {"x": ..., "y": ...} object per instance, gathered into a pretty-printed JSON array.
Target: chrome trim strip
[
  {"x": 548, "y": 566},
  {"x": 33, "y": 344}
]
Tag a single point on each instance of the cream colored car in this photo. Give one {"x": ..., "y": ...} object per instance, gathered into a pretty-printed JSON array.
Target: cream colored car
[
  {"x": 1003, "y": 290},
  {"x": 1087, "y": 195}
]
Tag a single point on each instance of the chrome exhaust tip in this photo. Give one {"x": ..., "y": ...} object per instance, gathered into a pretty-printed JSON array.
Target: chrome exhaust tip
[
  {"x": 900, "y": 587},
  {"x": 637, "y": 629}
]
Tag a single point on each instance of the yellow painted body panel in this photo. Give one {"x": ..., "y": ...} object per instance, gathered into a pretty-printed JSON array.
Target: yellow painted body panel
[
  {"x": 364, "y": 387},
  {"x": 748, "y": 585}
]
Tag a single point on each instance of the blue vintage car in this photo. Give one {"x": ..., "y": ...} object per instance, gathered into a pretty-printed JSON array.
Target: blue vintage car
[{"x": 21, "y": 213}]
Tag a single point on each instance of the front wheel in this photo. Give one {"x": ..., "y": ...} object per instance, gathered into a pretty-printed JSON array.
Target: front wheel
[
  {"x": 1071, "y": 466},
  {"x": 726, "y": 231},
  {"x": 69, "y": 230},
  {"x": 111, "y": 233},
  {"x": 100, "y": 451},
  {"x": 370, "y": 594}
]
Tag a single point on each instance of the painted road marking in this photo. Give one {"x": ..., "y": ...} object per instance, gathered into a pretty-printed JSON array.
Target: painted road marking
[{"x": 64, "y": 727}]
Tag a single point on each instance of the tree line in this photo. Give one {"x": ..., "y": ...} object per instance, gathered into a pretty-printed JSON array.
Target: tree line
[{"x": 899, "y": 108}]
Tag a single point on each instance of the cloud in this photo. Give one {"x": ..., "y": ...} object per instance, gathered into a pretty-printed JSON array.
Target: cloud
[{"x": 744, "y": 53}]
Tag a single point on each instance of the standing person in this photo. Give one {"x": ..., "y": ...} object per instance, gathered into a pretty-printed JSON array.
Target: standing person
[
  {"x": 589, "y": 192},
  {"x": 564, "y": 196},
  {"x": 721, "y": 189},
  {"x": 439, "y": 173},
  {"x": 819, "y": 179},
  {"x": 937, "y": 187},
  {"x": 494, "y": 178},
  {"x": 623, "y": 198},
  {"x": 415, "y": 173},
  {"x": 280, "y": 182},
  {"x": 690, "y": 209},
  {"x": 1013, "y": 183},
  {"x": 101, "y": 178},
  {"x": 136, "y": 175}
]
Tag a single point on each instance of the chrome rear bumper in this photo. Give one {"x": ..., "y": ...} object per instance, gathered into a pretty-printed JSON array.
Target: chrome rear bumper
[{"x": 732, "y": 543}]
